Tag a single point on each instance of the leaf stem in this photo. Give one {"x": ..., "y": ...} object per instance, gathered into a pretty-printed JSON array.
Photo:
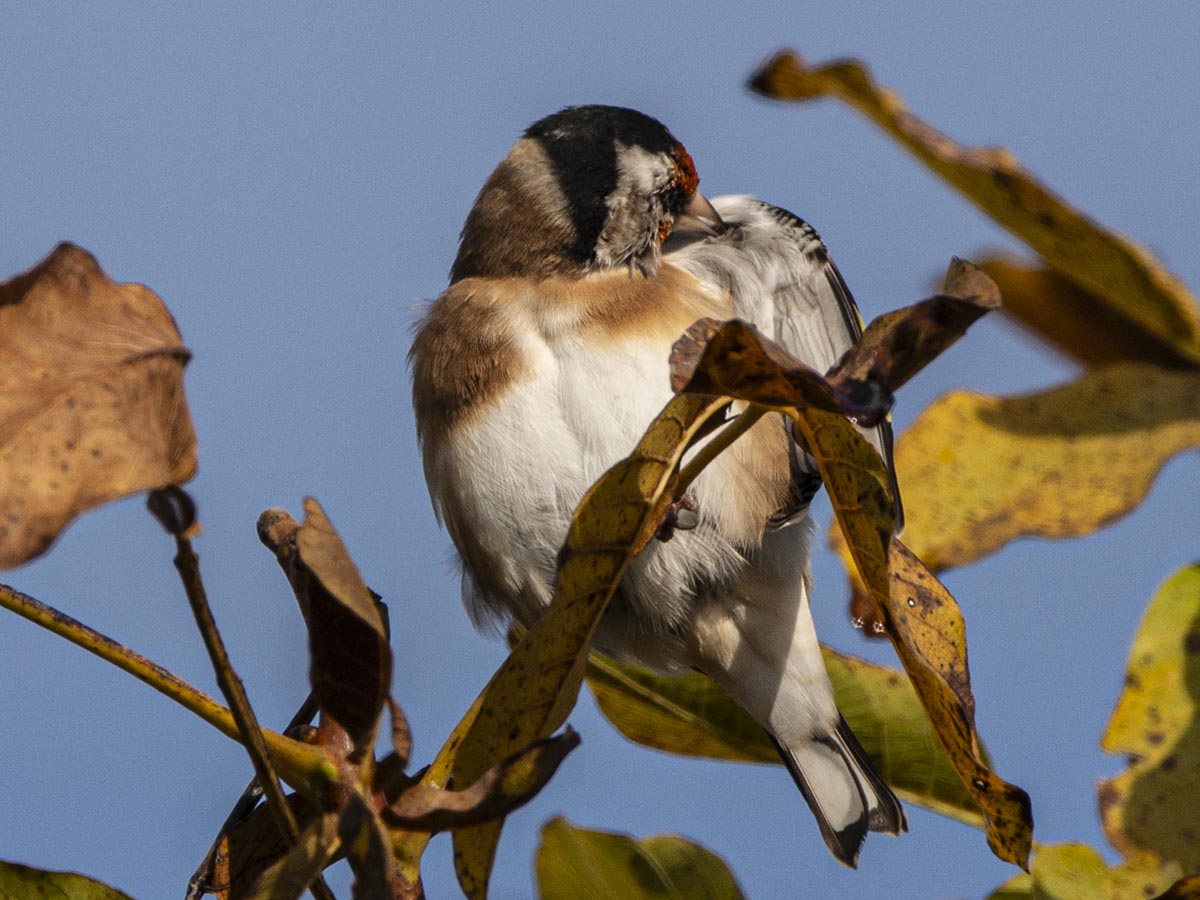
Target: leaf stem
[
  {"x": 733, "y": 430},
  {"x": 188, "y": 565}
]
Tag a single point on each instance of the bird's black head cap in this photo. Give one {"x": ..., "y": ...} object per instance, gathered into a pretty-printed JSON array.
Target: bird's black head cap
[{"x": 581, "y": 143}]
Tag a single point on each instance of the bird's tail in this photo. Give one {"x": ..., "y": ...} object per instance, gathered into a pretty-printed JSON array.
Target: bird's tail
[{"x": 845, "y": 794}]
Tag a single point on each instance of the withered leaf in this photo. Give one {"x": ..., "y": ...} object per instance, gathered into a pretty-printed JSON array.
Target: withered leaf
[
  {"x": 351, "y": 665},
  {"x": 1125, "y": 274},
  {"x": 898, "y": 344},
  {"x": 501, "y": 789},
  {"x": 91, "y": 398},
  {"x": 252, "y": 848}
]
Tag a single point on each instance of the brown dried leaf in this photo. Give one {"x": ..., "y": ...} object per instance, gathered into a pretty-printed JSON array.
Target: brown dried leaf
[
  {"x": 351, "y": 668},
  {"x": 1124, "y": 274},
  {"x": 501, "y": 789},
  {"x": 91, "y": 398},
  {"x": 288, "y": 876},
  {"x": 898, "y": 344},
  {"x": 252, "y": 848}
]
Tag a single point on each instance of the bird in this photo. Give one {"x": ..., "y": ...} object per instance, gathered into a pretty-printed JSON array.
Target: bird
[{"x": 587, "y": 253}]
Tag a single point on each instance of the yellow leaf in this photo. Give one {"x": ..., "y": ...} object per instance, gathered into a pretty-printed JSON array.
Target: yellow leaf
[
  {"x": 1077, "y": 872},
  {"x": 1152, "y": 805},
  {"x": 573, "y": 863},
  {"x": 1126, "y": 275},
  {"x": 917, "y": 612},
  {"x": 693, "y": 716},
  {"x": 27, "y": 883},
  {"x": 978, "y": 471},
  {"x": 1075, "y": 321},
  {"x": 534, "y": 690}
]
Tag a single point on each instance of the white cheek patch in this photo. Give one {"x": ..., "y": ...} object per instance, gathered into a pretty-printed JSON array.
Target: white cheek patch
[{"x": 634, "y": 209}]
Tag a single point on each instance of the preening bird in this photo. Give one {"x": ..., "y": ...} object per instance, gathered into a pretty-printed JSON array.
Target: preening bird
[{"x": 588, "y": 252}]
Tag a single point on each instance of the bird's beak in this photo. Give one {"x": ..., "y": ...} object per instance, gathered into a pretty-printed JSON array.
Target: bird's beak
[{"x": 698, "y": 219}]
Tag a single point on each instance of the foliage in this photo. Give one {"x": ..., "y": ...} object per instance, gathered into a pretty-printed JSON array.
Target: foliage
[{"x": 85, "y": 421}]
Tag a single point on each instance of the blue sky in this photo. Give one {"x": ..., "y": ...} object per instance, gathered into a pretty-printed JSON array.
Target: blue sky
[{"x": 291, "y": 179}]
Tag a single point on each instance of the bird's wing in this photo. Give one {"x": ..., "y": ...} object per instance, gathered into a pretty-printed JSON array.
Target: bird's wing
[{"x": 780, "y": 277}]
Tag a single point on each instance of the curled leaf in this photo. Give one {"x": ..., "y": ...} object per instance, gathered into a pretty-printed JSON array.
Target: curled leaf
[
  {"x": 918, "y": 613},
  {"x": 351, "y": 666},
  {"x": 1156, "y": 722},
  {"x": 574, "y": 862},
  {"x": 693, "y": 716},
  {"x": 701, "y": 359},
  {"x": 898, "y": 344},
  {"x": 91, "y": 398},
  {"x": 501, "y": 789},
  {"x": 1124, "y": 274},
  {"x": 535, "y": 688}
]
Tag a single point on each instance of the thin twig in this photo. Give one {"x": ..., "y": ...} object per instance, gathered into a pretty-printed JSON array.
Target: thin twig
[
  {"x": 197, "y": 884},
  {"x": 231, "y": 686}
]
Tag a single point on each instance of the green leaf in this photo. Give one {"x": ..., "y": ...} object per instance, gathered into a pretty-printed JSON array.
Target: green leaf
[
  {"x": 574, "y": 862},
  {"x": 1152, "y": 805},
  {"x": 26, "y": 883},
  {"x": 693, "y": 716}
]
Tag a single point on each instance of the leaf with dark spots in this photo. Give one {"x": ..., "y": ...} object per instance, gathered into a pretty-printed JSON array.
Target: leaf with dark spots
[
  {"x": 91, "y": 398},
  {"x": 351, "y": 660},
  {"x": 898, "y": 344},
  {"x": 536, "y": 687},
  {"x": 919, "y": 615},
  {"x": 1124, "y": 274},
  {"x": 1151, "y": 806},
  {"x": 979, "y": 471},
  {"x": 501, "y": 789},
  {"x": 710, "y": 349},
  {"x": 27, "y": 883}
]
